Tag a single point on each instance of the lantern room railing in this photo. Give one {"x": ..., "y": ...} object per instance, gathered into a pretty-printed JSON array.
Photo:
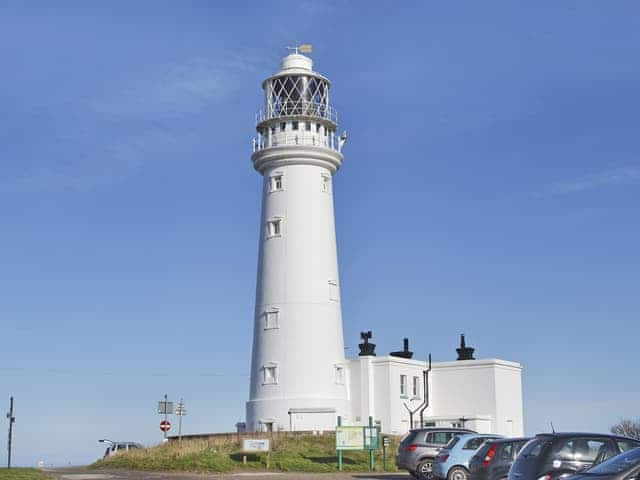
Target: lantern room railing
[
  {"x": 307, "y": 109},
  {"x": 309, "y": 140}
]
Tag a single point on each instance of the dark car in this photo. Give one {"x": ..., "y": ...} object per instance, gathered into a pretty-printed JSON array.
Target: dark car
[
  {"x": 625, "y": 466},
  {"x": 550, "y": 456},
  {"x": 420, "y": 447},
  {"x": 493, "y": 460}
]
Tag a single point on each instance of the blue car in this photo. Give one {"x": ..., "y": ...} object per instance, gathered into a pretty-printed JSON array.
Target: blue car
[{"x": 452, "y": 463}]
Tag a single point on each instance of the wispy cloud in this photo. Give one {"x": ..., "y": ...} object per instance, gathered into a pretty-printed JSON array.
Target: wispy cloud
[
  {"x": 629, "y": 175},
  {"x": 115, "y": 134},
  {"x": 181, "y": 89}
]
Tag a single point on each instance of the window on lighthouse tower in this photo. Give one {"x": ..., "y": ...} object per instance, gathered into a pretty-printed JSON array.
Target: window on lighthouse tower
[
  {"x": 274, "y": 228},
  {"x": 276, "y": 183}
]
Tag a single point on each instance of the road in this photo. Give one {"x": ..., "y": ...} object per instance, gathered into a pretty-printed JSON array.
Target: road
[{"x": 79, "y": 473}]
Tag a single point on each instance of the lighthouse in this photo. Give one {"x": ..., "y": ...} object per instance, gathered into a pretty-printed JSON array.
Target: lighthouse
[{"x": 299, "y": 378}]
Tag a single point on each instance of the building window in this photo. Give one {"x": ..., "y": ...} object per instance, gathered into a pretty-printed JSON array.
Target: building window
[
  {"x": 416, "y": 387},
  {"x": 276, "y": 183},
  {"x": 340, "y": 375},
  {"x": 270, "y": 374},
  {"x": 317, "y": 128},
  {"x": 283, "y": 126},
  {"x": 326, "y": 183},
  {"x": 456, "y": 424},
  {"x": 403, "y": 385},
  {"x": 307, "y": 126},
  {"x": 334, "y": 293},
  {"x": 294, "y": 125},
  {"x": 271, "y": 319},
  {"x": 273, "y": 130},
  {"x": 274, "y": 228}
]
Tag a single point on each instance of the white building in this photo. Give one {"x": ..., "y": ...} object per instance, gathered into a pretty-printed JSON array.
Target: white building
[{"x": 300, "y": 379}]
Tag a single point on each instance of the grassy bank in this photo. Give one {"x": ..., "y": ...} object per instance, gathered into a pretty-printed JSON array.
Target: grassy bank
[
  {"x": 289, "y": 454},
  {"x": 23, "y": 474}
]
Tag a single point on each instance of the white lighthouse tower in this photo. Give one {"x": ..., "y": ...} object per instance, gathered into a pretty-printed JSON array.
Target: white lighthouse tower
[{"x": 298, "y": 372}]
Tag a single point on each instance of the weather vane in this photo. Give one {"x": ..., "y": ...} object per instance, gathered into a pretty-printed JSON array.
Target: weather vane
[{"x": 303, "y": 48}]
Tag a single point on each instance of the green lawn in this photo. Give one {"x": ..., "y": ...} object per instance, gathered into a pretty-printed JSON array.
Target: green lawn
[
  {"x": 23, "y": 474},
  {"x": 289, "y": 453}
]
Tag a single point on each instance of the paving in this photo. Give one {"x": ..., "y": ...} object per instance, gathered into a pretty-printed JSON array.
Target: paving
[{"x": 79, "y": 473}]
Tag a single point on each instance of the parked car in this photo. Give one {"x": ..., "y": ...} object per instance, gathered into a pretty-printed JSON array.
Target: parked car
[
  {"x": 452, "y": 462},
  {"x": 119, "y": 447},
  {"x": 493, "y": 459},
  {"x": 550, "y": 456},
  {"x": 621, "y": 467},
  {"x": 420, "y": 447}
]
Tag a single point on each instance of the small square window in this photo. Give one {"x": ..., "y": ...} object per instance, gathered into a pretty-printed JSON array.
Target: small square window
[
  {"x": 274, "y": 228},
  {"x": 276, "y": 183},
  {"x": 326, "y": 183},
  {"x": 271, "y": 319},
  {"x": 283, "y": 126},
  {"x": 307, "y": 126},
  {"x": 294, "y": 125},
  {"x": 270, "y": 374},
  {"x": 403, "y": 384},
  {"x": 334, "y": 292},
  {"x": 340, "y": 375}
]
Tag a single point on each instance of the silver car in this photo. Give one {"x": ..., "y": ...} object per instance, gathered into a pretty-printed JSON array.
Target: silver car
[{"x": 420, "y": 447}]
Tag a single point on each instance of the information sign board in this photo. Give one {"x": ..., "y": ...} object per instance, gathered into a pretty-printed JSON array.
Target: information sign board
[
  {"x": 349, "y": 438},
  {"x": 256, "y": 445}
]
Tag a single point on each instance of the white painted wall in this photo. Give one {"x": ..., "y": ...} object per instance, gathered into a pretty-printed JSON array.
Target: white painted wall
[{"x": 486, "y": 393}]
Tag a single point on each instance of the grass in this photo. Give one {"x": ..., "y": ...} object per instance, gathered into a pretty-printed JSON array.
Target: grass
[
  {"x": 23, "y": 474},
  {"x": 306, "y": 453}
]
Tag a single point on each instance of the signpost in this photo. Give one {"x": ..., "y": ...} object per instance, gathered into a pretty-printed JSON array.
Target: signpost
[
  {"x": 12, "y": 419},
  {"x": 260, "y": 445},
  {"x": 385, "y": 443},
  {"x": 181, "y": 411},
  {"x": 357, "y": 438},
  {"x": 165, "y": 408}
]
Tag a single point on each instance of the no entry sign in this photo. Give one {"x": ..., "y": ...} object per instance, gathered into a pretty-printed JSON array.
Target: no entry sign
[{"x": 165, "y": 425}]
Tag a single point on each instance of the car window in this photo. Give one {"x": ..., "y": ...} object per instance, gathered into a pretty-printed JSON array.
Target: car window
[
  {"x": 453, "y": 441},
  {"x": 534, "y": 447},
  {"x": 439, "y": 438},
  {"x": 133, "y": 446},
  {"x": 578, "y": 449},
  {"x": 618, "y": 464},
  {"x": 625, "y": 445},
  {"x": 506, "y": 452},
  {"x": 474, "y": 443},
  {"x": 518, "y": 446}
]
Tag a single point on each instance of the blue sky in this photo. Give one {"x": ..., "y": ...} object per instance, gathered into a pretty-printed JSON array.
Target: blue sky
[{"x": 491, "y": 186}]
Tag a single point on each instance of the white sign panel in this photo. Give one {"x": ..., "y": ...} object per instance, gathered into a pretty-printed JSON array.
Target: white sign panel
[{"x": 255, "y": 445}]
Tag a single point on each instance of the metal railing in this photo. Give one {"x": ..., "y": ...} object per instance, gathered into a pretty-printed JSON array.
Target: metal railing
[
  {"x": 308, "y": 109},
  {"x": 309, "y": 140}
]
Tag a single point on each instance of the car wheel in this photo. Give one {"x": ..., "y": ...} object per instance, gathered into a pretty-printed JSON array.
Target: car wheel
[
  {"x": 425, "y": 469},
  {"x": 458, "y": 473}
]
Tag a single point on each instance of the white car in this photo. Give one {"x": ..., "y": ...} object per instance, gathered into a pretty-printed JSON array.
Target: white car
[{"x": 119, "y": 447}]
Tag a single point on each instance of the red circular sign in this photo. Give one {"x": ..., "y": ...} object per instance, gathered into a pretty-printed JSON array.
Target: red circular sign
[{"x": 165, "y": 425}]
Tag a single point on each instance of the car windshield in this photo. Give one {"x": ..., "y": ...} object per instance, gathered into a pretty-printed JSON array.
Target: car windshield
[{"x": 617, "y": 464}]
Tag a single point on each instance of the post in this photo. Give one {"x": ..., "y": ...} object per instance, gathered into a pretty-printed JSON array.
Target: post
[
  {"x": 340, "y": 450},
  {"x": 164, "y": 433},
  {"x": 372, "y": 464},
  {"x": 384, "y": 453},
  {"x": 11, "y": 420}
]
